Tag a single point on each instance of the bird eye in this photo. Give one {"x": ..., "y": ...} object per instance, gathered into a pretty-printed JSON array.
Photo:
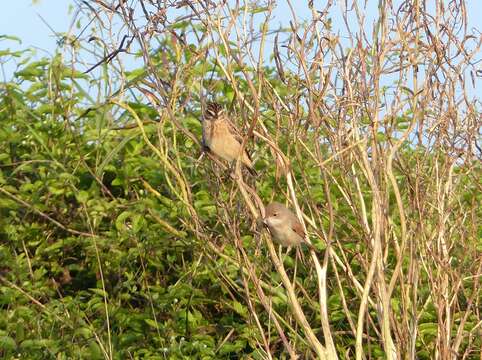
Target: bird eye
[{"x": 275, "y": 214}]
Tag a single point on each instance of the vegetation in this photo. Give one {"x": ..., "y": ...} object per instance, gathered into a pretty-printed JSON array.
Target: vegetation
[{"x": 119, "y": 241}]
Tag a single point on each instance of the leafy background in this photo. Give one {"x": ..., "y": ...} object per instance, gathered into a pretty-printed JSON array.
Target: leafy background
[{"x": 118, "y": 240}]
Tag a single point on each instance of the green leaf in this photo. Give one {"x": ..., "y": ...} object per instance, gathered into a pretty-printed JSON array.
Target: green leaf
[
  {"x": 151, "y": 323},
  {"x": 82, "y": 196},
  {"x": 7, "y": 343},
  {"x": 240, "y": 308},
  {"x": 10, "y": 37},
  {"x": 258, "y": 10},
  {"x": 99, "y": 292}
]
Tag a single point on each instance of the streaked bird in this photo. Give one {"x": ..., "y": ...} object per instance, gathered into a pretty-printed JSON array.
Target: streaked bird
[
  {"x": 221, "y": 138},
  {"x": 284, "y": 226}
]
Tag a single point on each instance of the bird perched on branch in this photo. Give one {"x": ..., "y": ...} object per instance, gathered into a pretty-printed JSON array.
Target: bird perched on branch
[
  {"x": 221, "y": 138},
  {"x": 284, "y": 226}
]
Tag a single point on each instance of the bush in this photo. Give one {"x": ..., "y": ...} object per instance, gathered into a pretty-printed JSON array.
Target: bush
[{"x": 119, "y": 241}]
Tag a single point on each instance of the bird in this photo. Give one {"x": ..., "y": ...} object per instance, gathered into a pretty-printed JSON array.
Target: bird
[
  {"x": 220, "y": 137},
  {"x": 284, "y": 226}
]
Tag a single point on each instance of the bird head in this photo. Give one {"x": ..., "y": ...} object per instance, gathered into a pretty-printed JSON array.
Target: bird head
[
  {"x": 276, "y": 214},
  {"x": 213, "y": 111}
]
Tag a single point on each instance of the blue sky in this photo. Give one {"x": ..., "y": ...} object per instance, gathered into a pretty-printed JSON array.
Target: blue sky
[
  {"x": 28, "y": 19},
  {"x": 22, "y": 18}
]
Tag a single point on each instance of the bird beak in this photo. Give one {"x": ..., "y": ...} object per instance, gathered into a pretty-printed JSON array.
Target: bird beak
[
  {"x": 260, "y": 223},
  {"x": 265, "y": 223}
]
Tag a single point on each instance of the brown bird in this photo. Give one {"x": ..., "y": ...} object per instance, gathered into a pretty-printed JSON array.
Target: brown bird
[
  {"x": 284, "y": 226},
  {"x": 221, "y": 138}
]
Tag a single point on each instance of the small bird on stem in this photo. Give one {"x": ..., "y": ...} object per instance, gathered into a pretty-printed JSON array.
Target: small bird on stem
[
  {"x": 284, "y": 226},
  {"x": 221, "y": 138}
]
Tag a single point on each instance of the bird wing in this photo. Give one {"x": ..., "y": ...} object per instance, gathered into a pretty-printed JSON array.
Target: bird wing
[
  {"x": 233, "y": 129},
  {"x": 206, "y": 134},
  {"x": 236, "y": 134},
  {"x": 298, "y": 228}
]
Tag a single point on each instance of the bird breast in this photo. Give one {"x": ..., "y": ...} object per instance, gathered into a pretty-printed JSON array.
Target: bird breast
[
  {"x": 223, "y": 143},
  {"x": 282, "y": 232}
]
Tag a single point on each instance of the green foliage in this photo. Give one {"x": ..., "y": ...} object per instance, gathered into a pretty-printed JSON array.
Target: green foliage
[
  {"x": 157, "y": 299},
  {"x": 100, "y": 252}
]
